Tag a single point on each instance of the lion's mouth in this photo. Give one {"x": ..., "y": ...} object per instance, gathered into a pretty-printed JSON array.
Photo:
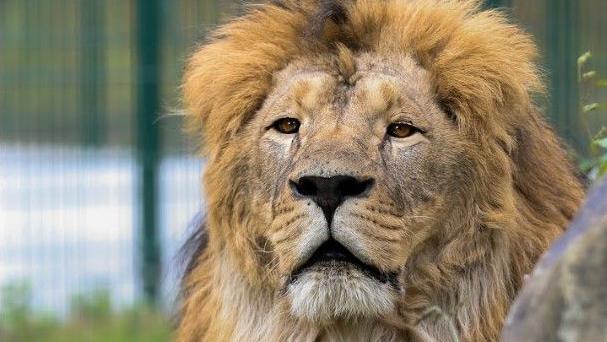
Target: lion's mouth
[{"x": 332, "y": 255}]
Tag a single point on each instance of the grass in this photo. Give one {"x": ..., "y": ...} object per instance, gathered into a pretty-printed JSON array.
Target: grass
[
  {"x": 596, "y": 165},
  {"x": 92, "y": 318}
]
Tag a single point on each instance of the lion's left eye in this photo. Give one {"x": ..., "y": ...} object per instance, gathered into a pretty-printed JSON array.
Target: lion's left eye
[
  {"x": 286, "y": 125},
  {"x": 401, "y": 130}
]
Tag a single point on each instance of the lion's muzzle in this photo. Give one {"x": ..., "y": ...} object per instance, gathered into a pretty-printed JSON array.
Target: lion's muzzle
[{"x": 334, "y": 257}]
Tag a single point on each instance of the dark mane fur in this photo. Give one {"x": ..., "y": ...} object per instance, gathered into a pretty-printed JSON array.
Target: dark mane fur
[{"x": 189, "y": 254}]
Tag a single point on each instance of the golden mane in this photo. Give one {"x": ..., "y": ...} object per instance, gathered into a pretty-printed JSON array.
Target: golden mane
[{"x": 484, "y": 73}]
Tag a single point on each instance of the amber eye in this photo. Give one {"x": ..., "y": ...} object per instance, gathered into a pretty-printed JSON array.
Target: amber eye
[
  {"x": 401, "y": 130},
  {"x": 286, "y": 125}
]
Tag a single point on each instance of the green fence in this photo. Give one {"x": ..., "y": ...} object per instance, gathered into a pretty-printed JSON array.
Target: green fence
[
  {"x": 97, "y": 181},
  {"x": 97, "y": 178}
]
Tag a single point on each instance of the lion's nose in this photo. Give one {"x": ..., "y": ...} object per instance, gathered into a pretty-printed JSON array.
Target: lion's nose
[{"x": 330, "y": 192}]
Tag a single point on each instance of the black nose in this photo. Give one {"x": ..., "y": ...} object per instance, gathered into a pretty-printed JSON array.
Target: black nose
[{"x": 330, "y": 192}]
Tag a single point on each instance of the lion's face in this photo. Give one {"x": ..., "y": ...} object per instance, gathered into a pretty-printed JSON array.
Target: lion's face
[
  {"x": 357, "y": 168},
  {"x": 351, "y": 188}
]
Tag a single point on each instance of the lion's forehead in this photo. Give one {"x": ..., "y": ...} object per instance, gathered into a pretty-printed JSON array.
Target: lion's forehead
[{"x": 374, "y": 86}]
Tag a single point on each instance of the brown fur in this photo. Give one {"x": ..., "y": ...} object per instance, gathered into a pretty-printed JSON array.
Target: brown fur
[{"x": 520, "y": 188}]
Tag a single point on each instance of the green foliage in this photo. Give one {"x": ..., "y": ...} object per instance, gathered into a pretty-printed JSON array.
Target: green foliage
[
  {"x": 596, "y": 165},
  {"x": 92, "y": 318}
]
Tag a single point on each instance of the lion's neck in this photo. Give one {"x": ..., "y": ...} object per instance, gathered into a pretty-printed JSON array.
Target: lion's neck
[
  {"x": 230, "y": 308},
  {"x": 245, "y": 309},
  {"x": 242, "y": 311},
  {"x": 463, "y": 290}
]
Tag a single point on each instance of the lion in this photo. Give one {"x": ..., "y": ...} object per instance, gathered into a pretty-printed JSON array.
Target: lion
[{"x": 377, "y": 171}]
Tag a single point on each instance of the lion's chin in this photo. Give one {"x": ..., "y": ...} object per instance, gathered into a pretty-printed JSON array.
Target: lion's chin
[{"x": 323, "y": 295}]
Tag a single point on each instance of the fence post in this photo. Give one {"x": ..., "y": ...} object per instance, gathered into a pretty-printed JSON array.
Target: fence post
[
  {"x": 148, "y": 107},
  {"x": 498, "y": 3},
  {"x": 92, "y": 72},
  {"x": 562, "y": 52}
]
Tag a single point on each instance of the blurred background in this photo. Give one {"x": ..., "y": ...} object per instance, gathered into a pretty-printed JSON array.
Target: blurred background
[{"x": 98, "y": 183}]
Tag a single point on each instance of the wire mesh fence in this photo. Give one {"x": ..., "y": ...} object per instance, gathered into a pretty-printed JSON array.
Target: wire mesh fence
[
  {"x": 71, "y": 220},
  {"x": 76, "y": 160}
]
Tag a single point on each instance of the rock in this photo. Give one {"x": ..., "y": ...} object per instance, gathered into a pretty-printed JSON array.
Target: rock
[{"x": 565, "y": 299}]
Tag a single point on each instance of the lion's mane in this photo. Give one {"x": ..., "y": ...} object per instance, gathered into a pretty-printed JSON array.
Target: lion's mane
[{"x": 483, "y": 71}]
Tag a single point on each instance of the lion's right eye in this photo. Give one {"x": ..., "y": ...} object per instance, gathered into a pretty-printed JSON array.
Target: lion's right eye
[
  {"x": 401, "y": 130},
  {"x": 286, "y": 125}
]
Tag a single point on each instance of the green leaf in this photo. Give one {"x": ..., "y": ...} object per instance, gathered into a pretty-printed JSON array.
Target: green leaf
[
  {"x": 602, "y": 83},
  {"x": 601, "y": 142},
  {"x": 602, "y": 133},
  {"x": 583, "y": 59},
  {"x": 590, "y": 107},
  {"x": 587, "y": 165},
  {"x": 603, "y": 169},
  {"x": 588, "y": 75}
]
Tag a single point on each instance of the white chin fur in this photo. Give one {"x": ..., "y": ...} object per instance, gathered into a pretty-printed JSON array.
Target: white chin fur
[{"x": 325, "y": 296}]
